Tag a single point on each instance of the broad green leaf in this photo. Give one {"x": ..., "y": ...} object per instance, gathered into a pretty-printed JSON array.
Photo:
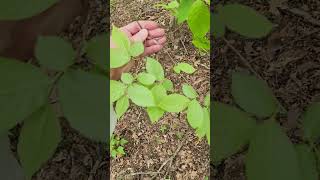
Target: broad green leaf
[
  {"x": 207, "y": 100},
  {"x": 127, "y": 78},
  {"x": 271, "y": 155},
  {"x": 120, "y": 39},
  {"x": 141, "y": 95},
  {"x": 204, "y": 128},
  {"x": 84, "y": 101},
  {"x": 245, "y": 20},
  {"x": 120, "y": 151},
  {"x": 122, "y": 106},
  {"x": 167, "y": 84},
  {"x": 10, "y": 169},
  {"x": 118, "y": 57},
  {"x": 159, "y": 92},
  {"x": 24, "y": 89},
  {"x": 123, "y": 142},
  {"x": 195, "y": 115},
  {"x": 117, "y": 89},
  {"x": 183, "y": 10},
  {"x": 311, "y": 122},
  {"x": 54, "y": 53},
  {"x": 136, "y": 49},
  {"x": 170, "y": 6},
  {"x": 155, "y": 113},
  {"x": 155, "y": 68},
  {"x": 201, "y": 43},
  {"x": 184, "y": 67},
  {"x": 217, "y": 26},
  {"x": 39, "y": 138},
  {"x": 253, "y": 95},
  {"x": 307, "y": 162},
  {"x": 189, "y": 91},
  {"x": 17, "y": 10},
  {"x": 97, "y": 50},
  {"x": 199, "y": 18},
  {"x": 231, "y": 131},
  {"x": 146, "y": 78},
  {"x": 174, "y": 103}
]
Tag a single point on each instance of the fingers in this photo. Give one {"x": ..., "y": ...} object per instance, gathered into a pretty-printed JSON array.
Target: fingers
[
  {"x": 152, "y": 49},
  {"x": 134, "y": 27},
  {"x": 156, "y": 33},
  {"x": 156, "y": 41},
  {"x": 140, "y": 36}
]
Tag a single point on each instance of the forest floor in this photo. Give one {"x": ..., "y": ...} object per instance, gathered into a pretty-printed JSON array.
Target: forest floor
[
  {"x": 288, "y": 60},
  {"x": 150, "y": 147}
]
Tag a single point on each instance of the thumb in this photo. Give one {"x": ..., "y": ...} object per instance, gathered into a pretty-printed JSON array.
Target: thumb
[{"x": 140, "y": 36}]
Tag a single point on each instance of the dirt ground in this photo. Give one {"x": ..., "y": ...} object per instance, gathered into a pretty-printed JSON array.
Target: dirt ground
[
  {"x": 148, "y": 148},
  {"x": 288, "y": 59}
]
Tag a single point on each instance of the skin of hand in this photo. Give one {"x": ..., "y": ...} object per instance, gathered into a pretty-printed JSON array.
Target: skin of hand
[{"x": 148, "y": 32}]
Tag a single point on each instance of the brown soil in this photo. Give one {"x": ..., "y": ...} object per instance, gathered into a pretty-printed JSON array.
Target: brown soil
[
  {"x": 288, "y": 59},
  {"x": 148, "y": 147}
]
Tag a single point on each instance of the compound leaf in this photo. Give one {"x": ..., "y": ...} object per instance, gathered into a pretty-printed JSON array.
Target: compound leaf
[
  {"x": 199, "y": 18},
  {"x": 183, "y": 10},
  {"x": 122, "y": 106},
  {"x": 155, "y": 68},
  {"x": 174, "y": 103},
  {"x": 141, "y": 95},
  {"x": 159, "y": 92}
]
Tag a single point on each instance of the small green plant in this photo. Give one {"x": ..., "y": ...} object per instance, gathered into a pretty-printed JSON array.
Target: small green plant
[
  {"x": 197, "y": 15},
  {"x": 163, "y": 128},
  {"x": 271, "y": 154},
  {"x": 117, "y": 146}
]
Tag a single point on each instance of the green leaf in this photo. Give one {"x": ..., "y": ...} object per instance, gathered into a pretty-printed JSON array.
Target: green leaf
[
  {"x": 167, "y": 84},
  {"x": 9, "y": 167},
  {"x": 231, "y": 131},
  {"x": 118, "y": 57},
  {"x": 311, "y": 122},
  {"x": 218, "y": 27},
  {"x": 174, "y": 103},
  {"x": 199, "y": 18},
  {"x": 204, "y": 128},
  {"x": 117, "y": 89},
  {"x": 170, "y": 6},
  {"x": 184, "y": 67},
  {"x": 120, "y": 151},
  {"x": 245, "y": 20},
  {"x": 96, "y": 50},
  {"x": 17, "y": 10},
  {"x": 155, "y": 113},
  {"x": 24, "y": 89},
  {"x": 84, "y": 97},
  {"x": 195, "y": 115},
  {"x": 122, "y": 106},
  {"x": 141, "y": 95},
  {"x": 120, "y": 39},
  {"x": 159, "y": 92},
  {"x": 189, "y": 91},
  {"x": 123, "y": 142},
  {"x": 201, "y": 43},
  {"x": 146, "y": 78},
  {"x": 207, "y": 100},
  {"x": 183, "y": 10},
  {"x": 113, "y": 153},
  {"x": 136, "y": 49},
  {"x": 253, "y": 95},
  {"x": 307, "y": 162},
  {"x": 54, "y": 53},
  {"x": 155, "y": 68},
  {"x": 271, "y": 155},
  {"x": 39, "y": 138},
  {"x": 127, "y": 78}
]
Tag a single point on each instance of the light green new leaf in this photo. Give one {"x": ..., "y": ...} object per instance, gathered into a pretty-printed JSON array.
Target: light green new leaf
[
  {"x": 167, "y": 84},
  {"x": 307, "y": 162},
  {"x": 84, "y": 101},
  {"x": 120, "y": 39},
  {"x": 155, "y": 68},
  {"x": 189, "y": 91},
  {"x": 122, "y": 106},
  {"x": 141, "y": 95},
  {"x": 24, "y": 89},
  {"x": 155, "y": 113},
  {"x": 199, "y": 18},
  {"x": 184, "y": 67},
  {"x": 217, "y": 26},
  {"x": 39, "y": 138},
  {"x": 146, "y": 78},
  {"x": 183, "y": 10},
  {"x": 170, "y": 6},
  {"x": 311, "y": 122},
  {"x": 54, "y": 53},
  {"x": 231, "y": 131},
  {"x": 174, "y": 103},
  {"x": 207, "y": 100},
  {"x": 17, "y": 10},
  {"x": 136, "y": 49},
  {"x": 271, "y": 155},
  {"x": 159, "y": 92},
  {"x": 127, "y": 78},
  {"x": 201, "y": 43},
  {"x": 253, "y": 95},
  {"x": 204, "y": 128},
  {"x": 117, "y": 89},
  {"x": 97, "y": 50},
  {"x": 10, "y": 169},
  {"x": 118, "y": 57},
  {"x": 245, "y": 20},
  {"x": 195, "y": 115}
]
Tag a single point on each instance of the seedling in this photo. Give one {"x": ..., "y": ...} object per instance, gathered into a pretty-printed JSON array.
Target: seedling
[
  {"x": 163, "y": 128},
  {"x": 117, "y": 146}
]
